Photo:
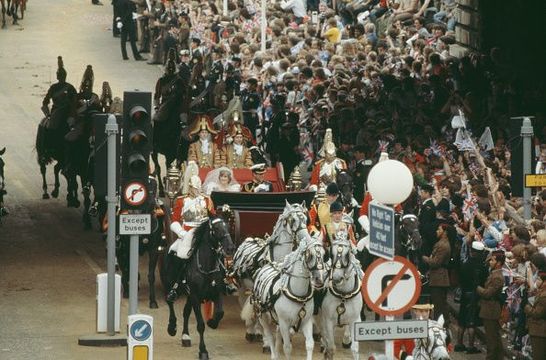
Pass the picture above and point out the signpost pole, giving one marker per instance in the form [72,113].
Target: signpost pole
[526,134]
[133,275]
[111,131]
[389,344]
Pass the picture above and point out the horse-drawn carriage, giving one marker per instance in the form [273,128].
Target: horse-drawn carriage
[250,214]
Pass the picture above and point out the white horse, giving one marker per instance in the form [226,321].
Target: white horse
[254,253]
[433,347]
[342,303]
[285,296]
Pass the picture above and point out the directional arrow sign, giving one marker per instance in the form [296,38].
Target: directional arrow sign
[141,330]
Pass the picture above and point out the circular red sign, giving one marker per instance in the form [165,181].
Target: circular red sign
[390,280]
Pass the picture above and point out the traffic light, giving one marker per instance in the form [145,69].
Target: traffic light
[136,148]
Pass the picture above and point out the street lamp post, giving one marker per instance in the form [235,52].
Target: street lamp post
[390,182]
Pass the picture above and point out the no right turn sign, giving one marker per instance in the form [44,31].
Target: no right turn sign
[392,286]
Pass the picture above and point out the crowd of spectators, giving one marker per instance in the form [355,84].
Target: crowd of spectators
[382,76]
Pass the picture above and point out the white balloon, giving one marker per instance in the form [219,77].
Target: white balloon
[390,182]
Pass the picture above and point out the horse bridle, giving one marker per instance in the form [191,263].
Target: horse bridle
[424,344]
[338,247]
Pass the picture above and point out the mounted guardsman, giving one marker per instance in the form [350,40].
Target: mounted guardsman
[327,168]
[258,184]
[237,154]
[168,92]
[204,151]
[189,211]
[63,96]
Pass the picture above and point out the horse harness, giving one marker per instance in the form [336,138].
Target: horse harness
[287,291]
[423,344]
[340,310]
[219,251]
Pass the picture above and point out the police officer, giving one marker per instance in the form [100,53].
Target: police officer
[251,101]
[128,29]
[362,169]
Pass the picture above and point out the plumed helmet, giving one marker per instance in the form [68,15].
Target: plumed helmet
[61,72]
[87,79]
[195,182]
[328,146]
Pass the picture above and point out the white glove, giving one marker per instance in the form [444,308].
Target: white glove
[364,222]
[363,243]
[261,187]
[177,229]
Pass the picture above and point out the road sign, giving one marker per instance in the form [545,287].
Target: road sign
[536,180]
[381,231]
[390,330]
[140,339]
[135,224]
[392,286]
[135,193]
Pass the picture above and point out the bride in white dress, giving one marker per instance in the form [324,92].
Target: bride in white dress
[220,179]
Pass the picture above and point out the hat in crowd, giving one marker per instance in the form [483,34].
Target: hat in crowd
[196,40]
[478,246]
[252,81]
[258,168]
[332,189]
[236,59]
[423,303]
[184,52]
[336,206]
[203,122]
[427,188]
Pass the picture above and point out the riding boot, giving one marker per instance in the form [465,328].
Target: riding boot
[180,284]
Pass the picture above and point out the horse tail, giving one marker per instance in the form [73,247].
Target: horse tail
[41,147]
[247,312]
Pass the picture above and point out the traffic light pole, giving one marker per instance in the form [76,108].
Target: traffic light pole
[133,275]
[111,131]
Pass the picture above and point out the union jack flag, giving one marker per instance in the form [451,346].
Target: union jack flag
[470,207]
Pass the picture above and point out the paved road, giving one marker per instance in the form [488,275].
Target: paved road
[47,262]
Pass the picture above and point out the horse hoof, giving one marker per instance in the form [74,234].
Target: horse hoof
[322,348]
[204,356]
[250,337]
[266,350]
[316,337]
[55,193]
[45,196]
[171,330]
[186,343]
[346,346]
[258,337]
[153,305]
[215,321]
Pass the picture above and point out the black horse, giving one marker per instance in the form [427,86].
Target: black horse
[205,278]
[50,147]
[3,191]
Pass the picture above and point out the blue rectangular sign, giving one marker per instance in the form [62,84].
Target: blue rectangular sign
[381,231]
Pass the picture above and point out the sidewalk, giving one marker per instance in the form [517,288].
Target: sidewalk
[480,334]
